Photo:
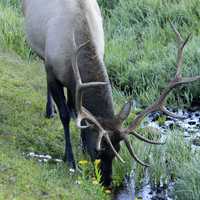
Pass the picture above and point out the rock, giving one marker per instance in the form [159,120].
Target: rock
[196,141]
[155,117]
[171,126]
[3,168]
[191,122]
[189,115]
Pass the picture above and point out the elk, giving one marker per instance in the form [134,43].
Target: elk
[68,36]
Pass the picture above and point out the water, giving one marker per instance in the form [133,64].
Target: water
[190,126]
[42,158]
[129,190]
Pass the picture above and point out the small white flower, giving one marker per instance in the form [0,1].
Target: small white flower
[32,154]
[78,182]
[72,170]
[57,160]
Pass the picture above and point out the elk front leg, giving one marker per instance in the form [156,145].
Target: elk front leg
[106,170]
[50,107]
[57,92]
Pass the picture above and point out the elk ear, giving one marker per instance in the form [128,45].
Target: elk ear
[124,113]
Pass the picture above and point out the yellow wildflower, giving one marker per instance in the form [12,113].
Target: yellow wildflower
[97,162]
[83,162]
[95,182]
[107,191]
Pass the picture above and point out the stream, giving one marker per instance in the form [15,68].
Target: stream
[190,126]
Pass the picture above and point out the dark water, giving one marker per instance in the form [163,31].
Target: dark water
[146,192]
[191,129]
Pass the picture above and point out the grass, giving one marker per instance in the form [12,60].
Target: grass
[140,56]
[26,179]
[12,37]
[23,128]
[187,185]
[141,46]
[173,162]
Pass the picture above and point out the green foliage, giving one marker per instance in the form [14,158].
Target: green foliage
[141,46]
[187,186]
[167,159]
[108,4]
[140,56]
[12,3]
[12,36]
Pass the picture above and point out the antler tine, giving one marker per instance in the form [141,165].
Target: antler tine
[140,137]
[181,45]
[131,151]
[82,112]
[113,148]
[177,81]
[178,35]
[170,114]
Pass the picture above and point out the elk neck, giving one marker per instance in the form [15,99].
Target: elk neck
[97,100]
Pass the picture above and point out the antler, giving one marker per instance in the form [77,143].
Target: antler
[159,104]
[83,113]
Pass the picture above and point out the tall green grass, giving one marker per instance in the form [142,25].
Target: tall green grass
[187,185]
[12,36]
[174,162]
[141,46]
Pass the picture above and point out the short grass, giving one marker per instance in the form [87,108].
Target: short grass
[26,179]
[23,129]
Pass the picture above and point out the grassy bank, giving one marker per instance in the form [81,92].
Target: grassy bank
[23,128]
[26,179]
[140,55]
